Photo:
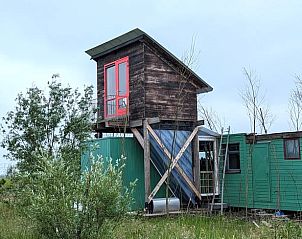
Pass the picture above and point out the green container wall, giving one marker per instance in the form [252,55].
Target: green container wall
[236,186]
[134,165]
[282,187]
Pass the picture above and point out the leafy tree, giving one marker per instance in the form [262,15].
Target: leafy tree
[45,135]
[2,182]
[56,122]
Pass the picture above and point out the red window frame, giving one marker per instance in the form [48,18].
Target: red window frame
[118,111]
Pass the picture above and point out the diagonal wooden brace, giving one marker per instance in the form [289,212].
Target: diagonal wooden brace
[178,168]
[138,136]
[140,140]
[173,163]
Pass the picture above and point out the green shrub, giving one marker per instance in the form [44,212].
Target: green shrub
[62,204]
[6,190]
[12,226]
[2,182]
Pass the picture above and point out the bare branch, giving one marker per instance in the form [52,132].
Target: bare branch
[295,105]
[211,118]
[254,101]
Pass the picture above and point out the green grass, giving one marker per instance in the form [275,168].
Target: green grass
[187,226]
[13,226]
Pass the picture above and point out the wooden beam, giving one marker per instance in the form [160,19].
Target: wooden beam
[146,161]
[153,120]
[157,139]
[196,163]
[199,123]
[135,123]
[173,164]
[138,123]
[178,168]
[138,136]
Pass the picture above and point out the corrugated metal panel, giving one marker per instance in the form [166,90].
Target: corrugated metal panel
[207,132]
[173,141]
[134,168]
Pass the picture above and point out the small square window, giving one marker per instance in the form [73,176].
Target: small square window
[291,149]
[233,159]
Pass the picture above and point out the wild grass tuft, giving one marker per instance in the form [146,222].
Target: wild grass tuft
[12,226]
[199,226]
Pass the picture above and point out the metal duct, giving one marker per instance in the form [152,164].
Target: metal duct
[158,205]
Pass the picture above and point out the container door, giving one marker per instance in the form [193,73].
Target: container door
[261,173]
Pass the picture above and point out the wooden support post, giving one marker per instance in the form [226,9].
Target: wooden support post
[147,161]
[196,163]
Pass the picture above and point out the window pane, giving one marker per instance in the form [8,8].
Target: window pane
[233,156]
[111,88]
[122,103]
[202,155]
[234,161]
[233,147]
[111,107]
[122,78]
[292,148]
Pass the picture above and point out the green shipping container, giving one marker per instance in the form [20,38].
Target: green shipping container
[270,175]
[114,147]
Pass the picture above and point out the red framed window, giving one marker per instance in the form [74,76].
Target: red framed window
[116,85]
[291,148]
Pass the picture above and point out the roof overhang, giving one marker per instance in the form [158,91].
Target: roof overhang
[137,35]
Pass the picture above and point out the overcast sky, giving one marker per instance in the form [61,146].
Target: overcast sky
[39,38]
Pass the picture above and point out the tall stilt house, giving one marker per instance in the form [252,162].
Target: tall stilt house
[144,89]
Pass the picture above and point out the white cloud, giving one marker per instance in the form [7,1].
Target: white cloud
[41,38]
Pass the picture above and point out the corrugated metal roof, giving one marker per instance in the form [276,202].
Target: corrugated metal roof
[134,36]
[207,132]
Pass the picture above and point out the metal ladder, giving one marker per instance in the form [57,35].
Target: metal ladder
[222,161]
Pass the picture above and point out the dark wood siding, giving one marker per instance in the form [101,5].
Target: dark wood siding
[157,89]
[136,72]
[168,94]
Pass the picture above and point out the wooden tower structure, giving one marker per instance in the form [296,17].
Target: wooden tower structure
[144,89]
